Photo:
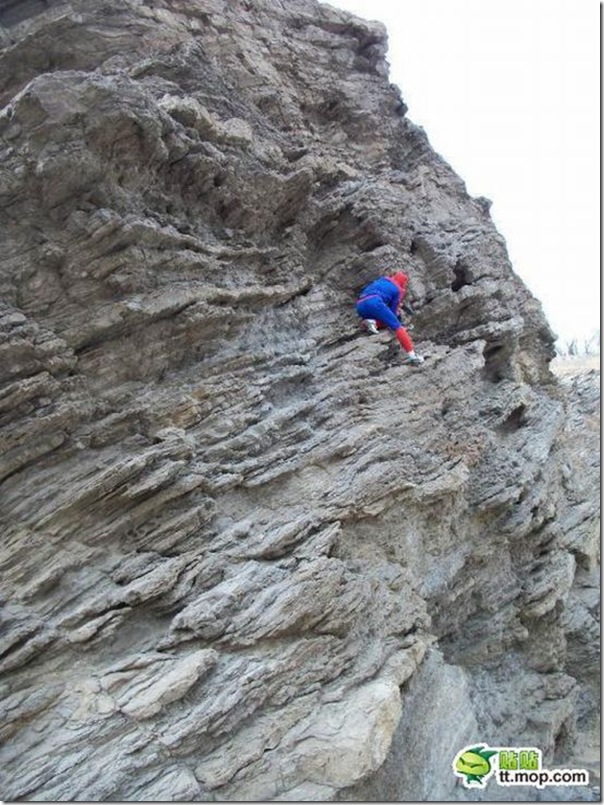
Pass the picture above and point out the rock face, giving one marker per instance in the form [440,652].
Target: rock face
[247,552]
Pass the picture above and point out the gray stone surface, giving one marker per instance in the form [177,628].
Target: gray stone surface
[247,552]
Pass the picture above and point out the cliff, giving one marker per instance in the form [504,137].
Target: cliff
[248,553]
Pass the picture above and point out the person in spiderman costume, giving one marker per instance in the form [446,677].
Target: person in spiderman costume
[379,305]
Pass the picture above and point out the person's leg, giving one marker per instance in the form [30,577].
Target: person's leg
[371,325]
[402,336]
[374,308]
[365,311]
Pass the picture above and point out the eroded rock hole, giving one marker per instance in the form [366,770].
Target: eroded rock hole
[496,362]
[515,420]
[462,277]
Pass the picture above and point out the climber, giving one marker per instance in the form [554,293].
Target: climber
[380,303]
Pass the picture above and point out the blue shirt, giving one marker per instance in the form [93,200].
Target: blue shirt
[387,290]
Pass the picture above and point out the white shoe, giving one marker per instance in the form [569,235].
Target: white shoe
[371,326]
[415,359]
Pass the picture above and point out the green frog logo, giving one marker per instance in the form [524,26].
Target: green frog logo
[473,765]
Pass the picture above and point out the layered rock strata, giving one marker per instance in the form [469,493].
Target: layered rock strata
[247,552]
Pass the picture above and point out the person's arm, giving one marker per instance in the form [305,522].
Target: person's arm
[402,305]
[396,302]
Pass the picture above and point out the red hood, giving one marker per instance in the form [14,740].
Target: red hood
[400,279]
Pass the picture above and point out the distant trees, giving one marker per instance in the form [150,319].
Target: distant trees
[575,347]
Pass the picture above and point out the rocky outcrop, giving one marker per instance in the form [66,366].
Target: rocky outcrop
[248,553]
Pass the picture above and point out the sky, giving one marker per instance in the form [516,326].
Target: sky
[509,95]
